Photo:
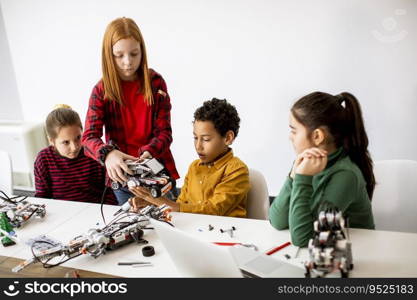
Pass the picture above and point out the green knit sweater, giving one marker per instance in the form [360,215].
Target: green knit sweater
[341,184]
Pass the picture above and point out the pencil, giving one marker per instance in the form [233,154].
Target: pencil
[276,249]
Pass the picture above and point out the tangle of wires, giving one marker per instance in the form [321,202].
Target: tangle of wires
[11,203]
[46,264]
[151,213]
[118,223]
[70,253]
[12,200]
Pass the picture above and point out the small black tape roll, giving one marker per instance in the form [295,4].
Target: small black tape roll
[148,251]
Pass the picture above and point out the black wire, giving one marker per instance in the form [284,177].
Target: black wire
[167,222]
[128,224]
[7,199]
[34,255]
[101,204]
[127,214]
[10,199]
[45,264]
[118,218]
[115,221]
[122,216]
[33,212]
[16,197]
[5,195]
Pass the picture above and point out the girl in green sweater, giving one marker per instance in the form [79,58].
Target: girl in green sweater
[332,165]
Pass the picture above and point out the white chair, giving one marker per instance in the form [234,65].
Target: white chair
[258,197]
[394,202]
[6,175]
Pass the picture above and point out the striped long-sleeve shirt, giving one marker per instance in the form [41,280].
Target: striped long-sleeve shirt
[79,179]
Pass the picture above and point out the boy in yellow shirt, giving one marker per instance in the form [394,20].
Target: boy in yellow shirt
[218,182]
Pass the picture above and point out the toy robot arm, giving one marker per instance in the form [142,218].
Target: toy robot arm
[24,264]
[43,255]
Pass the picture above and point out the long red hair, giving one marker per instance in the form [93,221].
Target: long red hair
[123,28]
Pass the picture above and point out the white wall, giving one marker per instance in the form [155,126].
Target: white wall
[9,96]
[260,55]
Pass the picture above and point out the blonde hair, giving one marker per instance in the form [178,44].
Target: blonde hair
[62,106]
[60,117]
[118,29]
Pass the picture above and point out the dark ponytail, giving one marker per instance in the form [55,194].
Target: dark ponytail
[341,115]
[356,143]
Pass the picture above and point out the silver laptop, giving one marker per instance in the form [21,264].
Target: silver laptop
[196,258]
[193,257]
[256,264]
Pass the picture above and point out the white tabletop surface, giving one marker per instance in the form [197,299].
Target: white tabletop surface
[375,253]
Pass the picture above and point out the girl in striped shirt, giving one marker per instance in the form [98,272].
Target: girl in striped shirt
[62,171]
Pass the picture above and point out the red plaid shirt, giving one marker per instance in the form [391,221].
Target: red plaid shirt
[108,114]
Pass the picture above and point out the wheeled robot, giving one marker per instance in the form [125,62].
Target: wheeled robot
[149,173]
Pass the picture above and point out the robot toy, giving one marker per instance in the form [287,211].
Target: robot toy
[148,173]
[124,229]
[329,250]
[19,212]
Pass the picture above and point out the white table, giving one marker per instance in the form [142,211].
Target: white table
[375,253]
[58,213]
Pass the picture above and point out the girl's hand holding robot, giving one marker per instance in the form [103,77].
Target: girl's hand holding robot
[115,165]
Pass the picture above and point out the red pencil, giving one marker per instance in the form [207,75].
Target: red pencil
[273,250]
[226,244]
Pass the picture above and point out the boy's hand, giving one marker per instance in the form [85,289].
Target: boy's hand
[137,204]
[311,162]
[141,192]
[145,195]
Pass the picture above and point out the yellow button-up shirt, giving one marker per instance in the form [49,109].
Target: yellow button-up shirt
[219,188]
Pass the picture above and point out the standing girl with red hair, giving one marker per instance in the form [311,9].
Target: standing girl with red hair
[132,103]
